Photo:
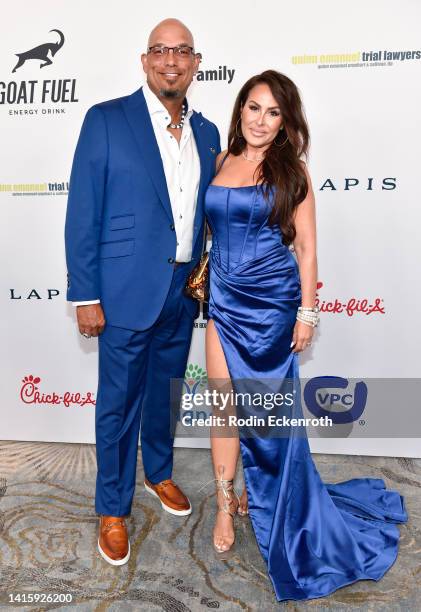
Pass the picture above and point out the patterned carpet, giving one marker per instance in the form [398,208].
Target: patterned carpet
[48,534]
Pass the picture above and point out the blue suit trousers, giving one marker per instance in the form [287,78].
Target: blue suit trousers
[135,372]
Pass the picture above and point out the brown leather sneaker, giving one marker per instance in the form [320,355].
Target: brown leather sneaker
[171,496]
[113,541]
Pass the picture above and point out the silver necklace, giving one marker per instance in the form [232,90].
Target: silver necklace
[176,126]
[258,159]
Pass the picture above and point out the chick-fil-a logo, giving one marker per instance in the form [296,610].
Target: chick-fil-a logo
[351,306]
[30,394]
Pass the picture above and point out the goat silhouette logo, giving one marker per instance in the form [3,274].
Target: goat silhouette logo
[41,52]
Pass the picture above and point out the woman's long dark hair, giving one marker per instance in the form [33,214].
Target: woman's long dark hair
[281,168]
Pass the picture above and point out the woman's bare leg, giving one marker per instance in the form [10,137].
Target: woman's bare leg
[225,446]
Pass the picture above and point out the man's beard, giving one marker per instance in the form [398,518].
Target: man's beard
[171,93]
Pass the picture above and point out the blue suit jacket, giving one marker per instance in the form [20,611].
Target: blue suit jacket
[120,237]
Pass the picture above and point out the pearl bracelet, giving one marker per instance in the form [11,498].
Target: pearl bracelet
[312,322]
[309,316]
[306,308]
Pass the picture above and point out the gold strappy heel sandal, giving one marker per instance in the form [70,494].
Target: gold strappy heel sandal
[230,502]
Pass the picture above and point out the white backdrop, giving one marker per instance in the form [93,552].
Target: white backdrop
[364,118]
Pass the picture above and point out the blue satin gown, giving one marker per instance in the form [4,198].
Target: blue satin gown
[315,537]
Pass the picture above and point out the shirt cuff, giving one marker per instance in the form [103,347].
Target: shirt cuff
[87,303]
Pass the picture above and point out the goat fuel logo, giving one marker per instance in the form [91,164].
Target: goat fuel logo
[43,52]
[33,96]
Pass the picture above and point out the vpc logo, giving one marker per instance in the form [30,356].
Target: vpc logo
[323,394]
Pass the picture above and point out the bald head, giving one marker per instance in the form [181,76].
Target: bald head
[170,73]
[170,27]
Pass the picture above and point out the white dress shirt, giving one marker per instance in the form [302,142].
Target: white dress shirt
[182,173]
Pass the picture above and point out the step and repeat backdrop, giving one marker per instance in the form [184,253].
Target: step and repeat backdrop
[359,75]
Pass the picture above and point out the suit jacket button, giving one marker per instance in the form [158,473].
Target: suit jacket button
[172,228]
[171,259]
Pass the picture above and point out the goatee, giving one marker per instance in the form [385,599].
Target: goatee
[171,93]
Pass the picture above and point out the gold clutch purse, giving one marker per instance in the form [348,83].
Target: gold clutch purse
[197,285]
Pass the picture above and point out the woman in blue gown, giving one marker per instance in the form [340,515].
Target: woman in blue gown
[314,537]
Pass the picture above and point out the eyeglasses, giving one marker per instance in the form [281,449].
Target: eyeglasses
[180,50]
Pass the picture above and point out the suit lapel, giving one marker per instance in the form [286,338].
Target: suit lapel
[196,122]
[139,120]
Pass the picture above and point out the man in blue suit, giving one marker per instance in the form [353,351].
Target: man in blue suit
[134,231]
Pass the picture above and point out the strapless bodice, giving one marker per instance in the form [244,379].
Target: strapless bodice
[238,218]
